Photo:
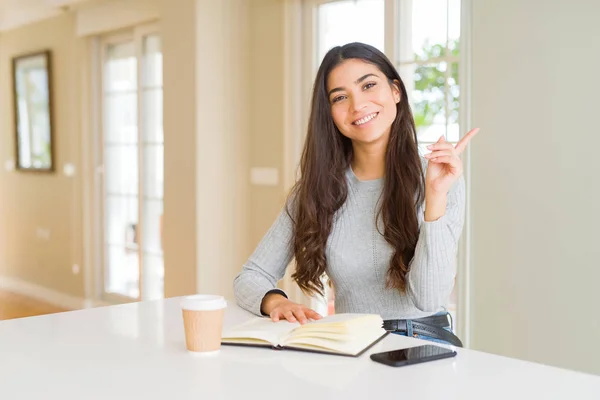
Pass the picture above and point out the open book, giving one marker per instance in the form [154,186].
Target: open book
[343,334]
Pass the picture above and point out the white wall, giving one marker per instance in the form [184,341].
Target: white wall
[535,186]
[100,16]
[223,132]
[178,32]
[207,135]
[50,202]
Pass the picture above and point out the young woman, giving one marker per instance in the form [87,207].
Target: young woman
[368,211]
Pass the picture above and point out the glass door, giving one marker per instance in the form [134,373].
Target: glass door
[132,165]
[153,168]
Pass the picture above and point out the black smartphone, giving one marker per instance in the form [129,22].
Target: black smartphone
[413,355]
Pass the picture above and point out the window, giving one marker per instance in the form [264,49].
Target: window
[346,21]
[425,40]
[132,158]
[420,36]
[428,63]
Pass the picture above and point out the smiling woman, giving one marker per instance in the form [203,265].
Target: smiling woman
[363,211]
[353,83]
[364,110]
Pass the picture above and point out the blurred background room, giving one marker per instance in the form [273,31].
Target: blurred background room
[146,146]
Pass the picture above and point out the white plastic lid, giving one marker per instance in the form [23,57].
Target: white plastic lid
[203,302]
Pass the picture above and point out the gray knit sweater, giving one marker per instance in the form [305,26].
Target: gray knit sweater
[358,258]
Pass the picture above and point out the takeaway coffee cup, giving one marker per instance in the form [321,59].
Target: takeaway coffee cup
[203,322]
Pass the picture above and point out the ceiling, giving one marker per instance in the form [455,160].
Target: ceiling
[15,13]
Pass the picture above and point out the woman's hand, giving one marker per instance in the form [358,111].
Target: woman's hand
[280,308]
[445,166]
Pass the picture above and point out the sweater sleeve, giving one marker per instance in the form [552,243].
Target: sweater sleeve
[433,267]
[266,266]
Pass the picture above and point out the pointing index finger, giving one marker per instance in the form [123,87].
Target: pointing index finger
[462,144]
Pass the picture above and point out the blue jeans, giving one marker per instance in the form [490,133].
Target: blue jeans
[409,332]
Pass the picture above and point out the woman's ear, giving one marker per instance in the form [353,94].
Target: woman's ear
[396,91]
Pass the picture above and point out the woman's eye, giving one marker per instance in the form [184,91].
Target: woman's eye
[338,98]
[369,85]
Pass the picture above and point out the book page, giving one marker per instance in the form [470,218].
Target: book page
[343,333]
[262,329]
[344,318]
[351,345]
[341,323]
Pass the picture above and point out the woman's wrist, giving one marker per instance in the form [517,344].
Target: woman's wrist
[269,301]
[435,205]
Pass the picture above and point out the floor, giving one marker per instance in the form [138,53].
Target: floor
[14,305]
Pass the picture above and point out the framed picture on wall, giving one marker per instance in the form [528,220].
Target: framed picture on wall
[32,102]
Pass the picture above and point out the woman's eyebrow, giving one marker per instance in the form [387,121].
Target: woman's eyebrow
[356,82]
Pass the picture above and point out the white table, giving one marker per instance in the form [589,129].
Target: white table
[138,351]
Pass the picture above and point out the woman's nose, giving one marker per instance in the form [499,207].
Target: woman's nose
[357,103]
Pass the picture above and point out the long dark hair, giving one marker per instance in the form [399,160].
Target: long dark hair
[322,188]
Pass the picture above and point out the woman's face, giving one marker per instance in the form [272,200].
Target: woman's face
[363,103]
